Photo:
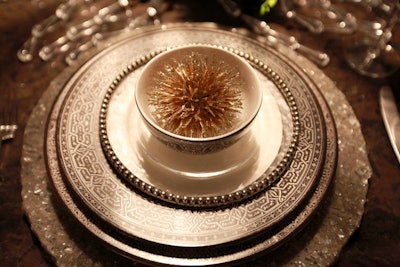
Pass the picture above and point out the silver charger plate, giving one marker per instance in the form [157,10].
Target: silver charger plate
[166,226]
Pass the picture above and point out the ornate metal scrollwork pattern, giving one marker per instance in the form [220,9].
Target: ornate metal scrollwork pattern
[259,185]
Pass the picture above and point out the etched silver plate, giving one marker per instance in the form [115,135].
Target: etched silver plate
[99,193]
[222,178]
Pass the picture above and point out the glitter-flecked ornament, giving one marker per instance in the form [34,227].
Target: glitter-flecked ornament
[198,96]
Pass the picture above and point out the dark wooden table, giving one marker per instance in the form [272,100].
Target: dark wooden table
[375,243]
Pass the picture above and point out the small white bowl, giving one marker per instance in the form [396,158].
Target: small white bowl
[250,97]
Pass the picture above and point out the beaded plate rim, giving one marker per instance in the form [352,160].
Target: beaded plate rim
[260,184]
[143,256]
[85,187]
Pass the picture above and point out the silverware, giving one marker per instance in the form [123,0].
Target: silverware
[100,18]
[77,34]
[313,25]
[7,132]
[391,118]
[98,37]
[341,21]
[129,22]
[8,117]
[59,18]
[63,43]
[262,28]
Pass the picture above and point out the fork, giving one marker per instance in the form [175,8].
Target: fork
[8,117]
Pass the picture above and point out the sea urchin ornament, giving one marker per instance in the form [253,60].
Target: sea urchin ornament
[197,97]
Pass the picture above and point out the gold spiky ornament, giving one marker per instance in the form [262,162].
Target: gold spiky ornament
[196,97]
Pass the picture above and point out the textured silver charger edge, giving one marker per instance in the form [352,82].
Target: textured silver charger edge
[341,218]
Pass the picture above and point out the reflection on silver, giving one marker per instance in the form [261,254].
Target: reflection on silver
[166,193]
[391,118]
[330,229]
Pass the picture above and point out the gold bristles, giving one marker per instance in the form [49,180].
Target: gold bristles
[196,97]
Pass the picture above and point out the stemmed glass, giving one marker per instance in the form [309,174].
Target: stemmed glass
[376,58]
[319,16]
[377,4]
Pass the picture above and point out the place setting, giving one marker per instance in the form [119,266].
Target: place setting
[192,144]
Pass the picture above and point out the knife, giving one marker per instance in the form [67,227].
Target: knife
[391,118]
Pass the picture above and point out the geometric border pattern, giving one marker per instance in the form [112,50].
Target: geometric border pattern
[92,181]
[260,184]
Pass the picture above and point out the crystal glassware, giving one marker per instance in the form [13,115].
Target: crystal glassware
[375,57]
[319,16]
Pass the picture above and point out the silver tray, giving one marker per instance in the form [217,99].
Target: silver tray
[94,191]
